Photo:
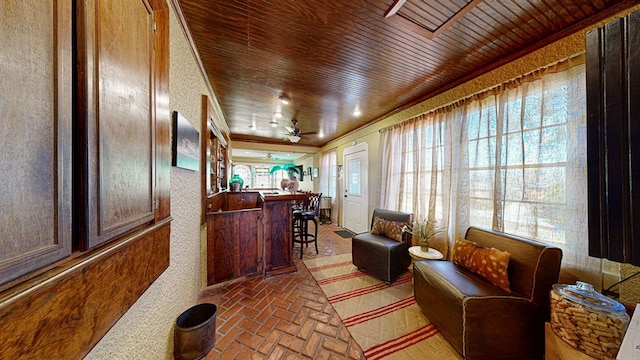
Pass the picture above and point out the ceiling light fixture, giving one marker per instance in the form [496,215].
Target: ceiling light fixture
[294,138]
[278,114]
[273,122]
[284,99]
[253,126]
[357,112]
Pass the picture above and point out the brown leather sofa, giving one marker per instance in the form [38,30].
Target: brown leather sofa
[379,255]
[481,320]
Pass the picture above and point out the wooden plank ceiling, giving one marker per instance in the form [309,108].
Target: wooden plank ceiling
[334,57]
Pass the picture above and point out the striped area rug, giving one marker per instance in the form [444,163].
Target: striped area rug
[384,319]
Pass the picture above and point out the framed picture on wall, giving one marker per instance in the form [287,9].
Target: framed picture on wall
[185,144]
[300,171]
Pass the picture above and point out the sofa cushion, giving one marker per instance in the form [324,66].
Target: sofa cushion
[490,263]
[388,228]
[377,240]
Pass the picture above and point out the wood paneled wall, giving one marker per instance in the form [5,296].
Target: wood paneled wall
[65,312]
[116,118]
[116,149]
[35,140]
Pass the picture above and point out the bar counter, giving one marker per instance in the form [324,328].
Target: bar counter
[249,233]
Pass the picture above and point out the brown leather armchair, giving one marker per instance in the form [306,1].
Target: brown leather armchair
[481,320]
[379,255]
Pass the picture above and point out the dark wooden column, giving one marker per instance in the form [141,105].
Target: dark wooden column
[613,131]
[277,232]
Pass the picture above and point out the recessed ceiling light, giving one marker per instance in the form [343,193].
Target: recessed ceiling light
[284,99]
[278,114]
[357,112]
[273,122]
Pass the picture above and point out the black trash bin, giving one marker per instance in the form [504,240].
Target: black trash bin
[195,332]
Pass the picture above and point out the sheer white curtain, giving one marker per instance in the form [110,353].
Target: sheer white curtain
[512,159]
[329,180]
[416,169]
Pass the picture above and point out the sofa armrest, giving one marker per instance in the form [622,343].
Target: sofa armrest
[407,238]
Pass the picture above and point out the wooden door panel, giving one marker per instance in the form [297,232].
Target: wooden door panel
[277,234]
[223,247]
[247,227]
[117,54]
[35,142]
[234,244]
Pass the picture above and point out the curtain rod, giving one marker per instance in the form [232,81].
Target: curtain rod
[558,66]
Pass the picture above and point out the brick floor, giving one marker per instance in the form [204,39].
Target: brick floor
[282,317]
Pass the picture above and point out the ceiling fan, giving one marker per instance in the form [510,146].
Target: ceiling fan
[295,134]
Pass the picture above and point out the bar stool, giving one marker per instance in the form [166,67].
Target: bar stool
[301,220]
[298,207]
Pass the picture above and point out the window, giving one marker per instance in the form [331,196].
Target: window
[329,180]
[416,178]
[526,149]
[511,159]
[261,177]
[244,172]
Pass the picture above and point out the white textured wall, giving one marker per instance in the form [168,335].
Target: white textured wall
[146,330]
[307,184]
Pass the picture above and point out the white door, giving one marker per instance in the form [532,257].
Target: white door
[356,195]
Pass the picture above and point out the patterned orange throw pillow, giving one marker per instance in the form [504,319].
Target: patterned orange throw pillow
[378,226]
[393,230]
[390,229]
[491,264]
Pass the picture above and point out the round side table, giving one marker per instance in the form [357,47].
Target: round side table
[417,254]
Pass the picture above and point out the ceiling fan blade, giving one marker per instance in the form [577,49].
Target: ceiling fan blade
[309,133]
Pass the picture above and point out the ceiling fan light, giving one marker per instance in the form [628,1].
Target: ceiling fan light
[294,138]
[284,99]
